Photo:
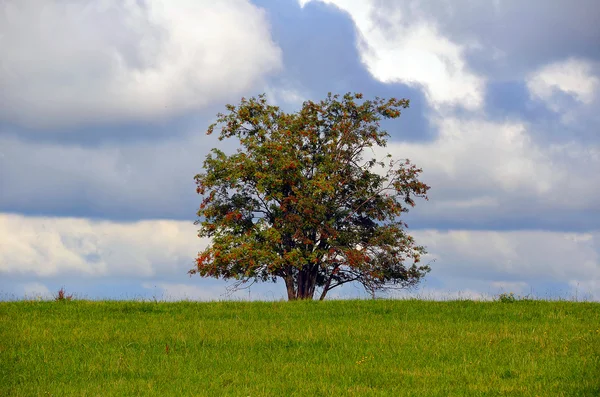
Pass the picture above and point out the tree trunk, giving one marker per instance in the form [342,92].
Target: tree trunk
[328,283]
[289,284]
[325,291]
[303,285]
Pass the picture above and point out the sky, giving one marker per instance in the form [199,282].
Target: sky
[104,105]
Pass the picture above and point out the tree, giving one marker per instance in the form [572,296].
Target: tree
[298,201]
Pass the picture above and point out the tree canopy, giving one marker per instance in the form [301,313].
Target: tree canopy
[305,199]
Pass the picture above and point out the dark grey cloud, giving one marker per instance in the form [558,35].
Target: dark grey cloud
[130,182]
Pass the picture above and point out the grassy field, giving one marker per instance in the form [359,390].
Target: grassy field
[335,348]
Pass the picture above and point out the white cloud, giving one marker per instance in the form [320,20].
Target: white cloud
[572,76]
[483,168]
[481,261]
[285,97]
[513,259]
[46,247]
[72,62]
[36,290]
[399,49]
[486,156]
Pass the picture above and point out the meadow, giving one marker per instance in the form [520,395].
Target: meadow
[330,348]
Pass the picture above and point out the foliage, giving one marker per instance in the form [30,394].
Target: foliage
[331,348]
[511,297]
[507,298]
[62,296]
[299,200]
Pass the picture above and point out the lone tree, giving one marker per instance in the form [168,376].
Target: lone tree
[299,201]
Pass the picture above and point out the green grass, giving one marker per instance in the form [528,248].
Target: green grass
[331,348]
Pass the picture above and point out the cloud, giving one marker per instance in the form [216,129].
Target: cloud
[483,174]
[487,173]
[572,76]
[158,253]
[35,289]
[397,49]
[129,181]
[513,258]
[285,97]
[454,49]
[68,63]
[41,247]
[499,38]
